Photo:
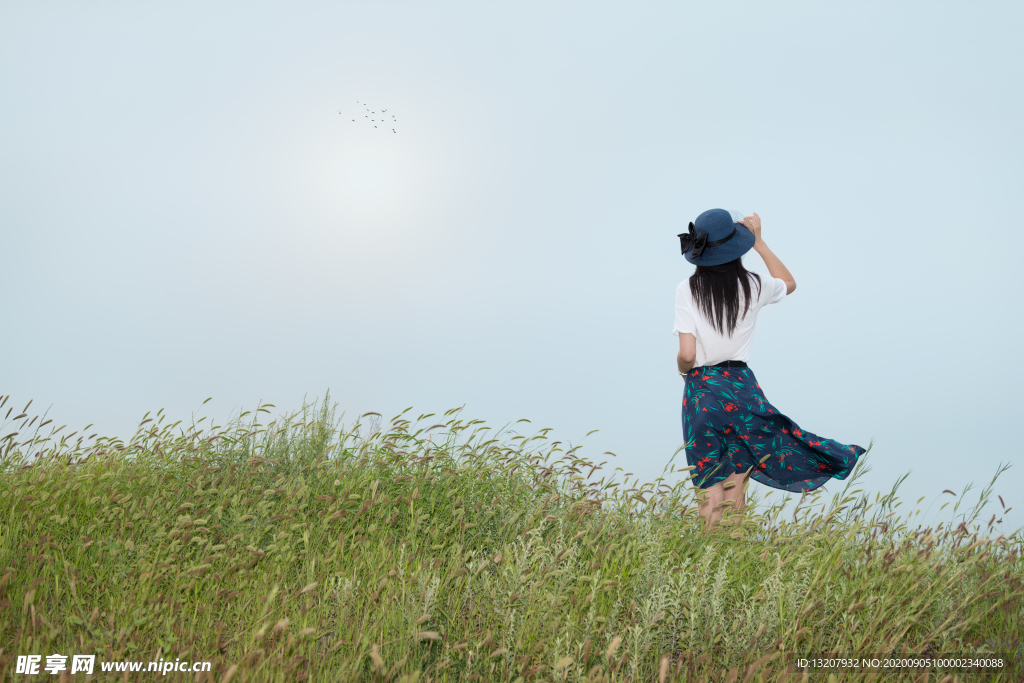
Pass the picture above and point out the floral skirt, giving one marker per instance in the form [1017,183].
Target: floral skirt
[730,427]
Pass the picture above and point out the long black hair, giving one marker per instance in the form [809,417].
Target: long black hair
[716,291]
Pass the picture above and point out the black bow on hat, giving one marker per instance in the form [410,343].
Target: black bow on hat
[693,240]
[698,241]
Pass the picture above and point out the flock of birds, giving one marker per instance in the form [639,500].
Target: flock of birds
[374,113]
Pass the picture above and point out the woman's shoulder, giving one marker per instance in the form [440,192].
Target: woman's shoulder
[683,297]
[760,288]
[772,289]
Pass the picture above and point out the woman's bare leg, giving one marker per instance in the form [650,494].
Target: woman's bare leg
[709,507]
[737,493]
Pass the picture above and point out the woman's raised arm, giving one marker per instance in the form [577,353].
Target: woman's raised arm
[775,266]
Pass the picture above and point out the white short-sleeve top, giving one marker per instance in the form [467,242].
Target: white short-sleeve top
[713,347]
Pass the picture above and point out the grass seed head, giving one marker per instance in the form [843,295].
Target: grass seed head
[375,656]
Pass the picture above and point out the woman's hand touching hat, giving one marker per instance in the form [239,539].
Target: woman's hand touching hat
[753,224]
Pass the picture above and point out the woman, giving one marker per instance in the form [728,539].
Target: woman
[731,431]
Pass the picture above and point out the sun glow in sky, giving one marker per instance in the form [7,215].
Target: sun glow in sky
[372,182]
[369,190]
[365,176]
[367,198]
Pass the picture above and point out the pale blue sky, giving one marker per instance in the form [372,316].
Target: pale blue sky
[185,214]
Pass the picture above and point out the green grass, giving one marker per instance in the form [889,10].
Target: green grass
[303,549]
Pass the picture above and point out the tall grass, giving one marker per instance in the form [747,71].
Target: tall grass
[303,549]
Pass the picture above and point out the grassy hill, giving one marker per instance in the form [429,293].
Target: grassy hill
[303,549]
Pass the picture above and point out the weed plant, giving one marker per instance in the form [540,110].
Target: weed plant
[306,550]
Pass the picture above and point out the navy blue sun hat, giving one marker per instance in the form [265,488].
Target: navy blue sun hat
[715,238]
